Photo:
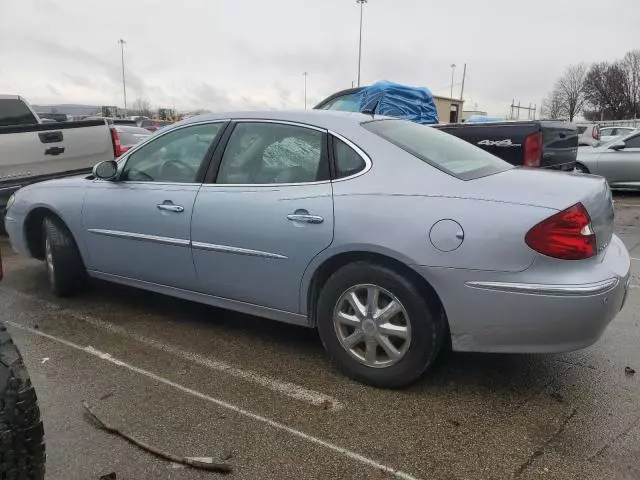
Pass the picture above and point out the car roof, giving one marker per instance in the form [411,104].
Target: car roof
[319,118]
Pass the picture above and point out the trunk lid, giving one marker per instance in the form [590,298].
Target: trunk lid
[553,190]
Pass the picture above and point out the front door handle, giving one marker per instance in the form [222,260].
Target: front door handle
[170,207]
[305,218]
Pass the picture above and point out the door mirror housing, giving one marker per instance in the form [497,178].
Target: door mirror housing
[619,145]
[106,170]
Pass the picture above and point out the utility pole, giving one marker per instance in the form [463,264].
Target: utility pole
[453,70]
[124,84]
[361,2]
[305,89]
[464,74]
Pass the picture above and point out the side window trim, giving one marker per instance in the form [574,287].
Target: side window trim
[202,171]
[367,160]
[211,176]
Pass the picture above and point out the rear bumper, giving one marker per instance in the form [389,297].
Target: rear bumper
[522,317]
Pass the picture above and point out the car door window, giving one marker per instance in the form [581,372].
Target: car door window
[633,142]
[607,132]
[347,161]
[264,153]
[345,103]
[177,156]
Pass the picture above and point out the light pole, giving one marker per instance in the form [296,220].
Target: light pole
[124,84]
[361,2]
[453,69]
[305,89]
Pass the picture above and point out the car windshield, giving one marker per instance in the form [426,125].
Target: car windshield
[441,150]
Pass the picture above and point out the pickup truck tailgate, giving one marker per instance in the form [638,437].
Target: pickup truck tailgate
[32,151]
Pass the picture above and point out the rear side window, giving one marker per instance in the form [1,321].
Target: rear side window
[347,161]
[439,149]
[582,130]
[15,112]
[345,103]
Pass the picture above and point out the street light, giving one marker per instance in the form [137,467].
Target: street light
[305,89]
[361,2]
[124,84]
[453,69]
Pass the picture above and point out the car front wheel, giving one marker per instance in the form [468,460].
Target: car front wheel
[377,326]
[65,267]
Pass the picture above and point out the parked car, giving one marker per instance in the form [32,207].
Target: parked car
[589,134]
[618,161]
[21,432]
[392,238]
[31,151]
[125,137]
[543,144]
[153,125]
[609,133]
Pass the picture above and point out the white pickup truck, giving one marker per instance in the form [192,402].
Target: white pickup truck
[32,151]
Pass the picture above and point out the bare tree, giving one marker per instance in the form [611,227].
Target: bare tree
[631,66]
[570,89]
[553,107]
[142,107]
[605,91]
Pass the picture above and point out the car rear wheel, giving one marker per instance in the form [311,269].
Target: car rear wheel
[22,454]
[579,168]
[377,326]
[65,268]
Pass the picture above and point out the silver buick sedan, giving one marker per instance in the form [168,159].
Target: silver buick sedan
[391,238]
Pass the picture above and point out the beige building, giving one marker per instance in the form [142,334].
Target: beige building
[449,109]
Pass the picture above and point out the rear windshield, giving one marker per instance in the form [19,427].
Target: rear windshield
[15,112]
[439,149]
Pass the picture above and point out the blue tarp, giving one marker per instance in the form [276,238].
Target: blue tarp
[400,101]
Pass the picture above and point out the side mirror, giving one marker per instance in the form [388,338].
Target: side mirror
[619,145]
[106,170]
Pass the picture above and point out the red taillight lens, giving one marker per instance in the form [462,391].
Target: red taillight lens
[533,150]
[596,132]
[115,139]
[566,235]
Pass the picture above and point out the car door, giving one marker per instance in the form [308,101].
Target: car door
[623,165]
[269,212]
[138,226]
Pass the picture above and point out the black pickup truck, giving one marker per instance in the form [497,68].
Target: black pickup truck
[529,143]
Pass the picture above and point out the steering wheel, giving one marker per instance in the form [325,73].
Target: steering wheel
[181,169]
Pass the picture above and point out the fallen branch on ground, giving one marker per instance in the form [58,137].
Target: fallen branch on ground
[216,467]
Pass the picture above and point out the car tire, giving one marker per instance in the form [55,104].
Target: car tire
[424,317]
[22,451]
[65,268]
[580,168]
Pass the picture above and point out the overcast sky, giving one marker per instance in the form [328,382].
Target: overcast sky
[240,54]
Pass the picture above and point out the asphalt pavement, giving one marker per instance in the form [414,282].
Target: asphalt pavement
[197,381]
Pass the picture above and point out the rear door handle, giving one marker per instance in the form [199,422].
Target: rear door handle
[170,207]
[305,218]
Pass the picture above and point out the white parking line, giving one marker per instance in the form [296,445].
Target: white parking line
[288,389]
[221,403]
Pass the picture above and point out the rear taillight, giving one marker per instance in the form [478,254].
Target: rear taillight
[533,150]
[115,139]
[566,235]
[596,132]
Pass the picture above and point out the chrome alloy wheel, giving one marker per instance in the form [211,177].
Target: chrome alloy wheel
[372,325]
[49,259]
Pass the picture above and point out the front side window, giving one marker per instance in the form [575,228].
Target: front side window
[176,156]
[347,161]
[439,149]
[261,153]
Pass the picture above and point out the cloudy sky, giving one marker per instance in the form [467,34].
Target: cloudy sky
[239,54]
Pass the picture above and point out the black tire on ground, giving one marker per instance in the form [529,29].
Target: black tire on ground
[65,268]
[428,325]
[22,453]
[580,168]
